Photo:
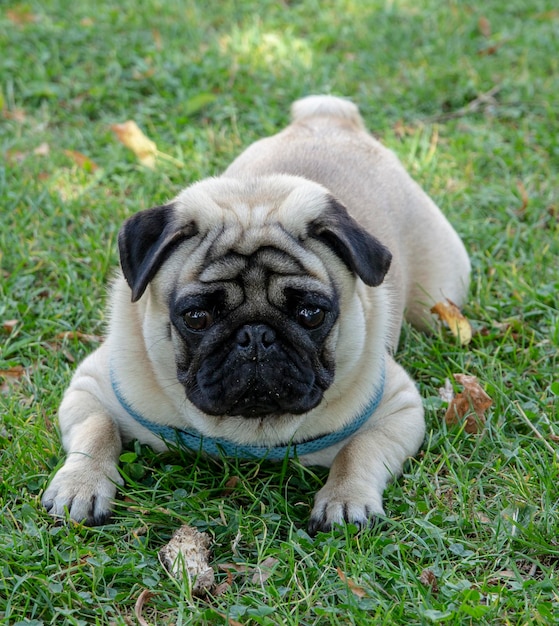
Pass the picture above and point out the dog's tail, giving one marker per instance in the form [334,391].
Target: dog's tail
[329,106]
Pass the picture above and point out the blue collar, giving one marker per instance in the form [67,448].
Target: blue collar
[216,446]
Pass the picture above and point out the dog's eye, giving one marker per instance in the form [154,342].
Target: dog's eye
[310,317]
[198,319]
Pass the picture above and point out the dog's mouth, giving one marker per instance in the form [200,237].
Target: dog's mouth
[257,396]
[252,407]
[254,410]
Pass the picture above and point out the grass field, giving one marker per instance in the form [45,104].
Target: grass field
[467,96]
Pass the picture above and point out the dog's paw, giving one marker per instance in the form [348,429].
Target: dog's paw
[334,507]
[82,491]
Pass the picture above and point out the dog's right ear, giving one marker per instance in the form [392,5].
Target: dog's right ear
[145,240]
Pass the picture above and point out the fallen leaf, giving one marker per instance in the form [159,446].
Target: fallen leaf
[9,325]
[429,579]
[484,26]
[42,150]
[157,40]
[20,15]
[224,586]
[260,573]
[76,334]
[470,405]
[137,75]
[492,49]
[233,567]
[231,485]
[81,160]
[132,137]
[13,373]
[451,315]
[482,518]
[139,606]
[18,115]
[16,156]
[264,570]
[548,15]
[353,587]
[401,130]
[523,195]
[10,376]
[186,555]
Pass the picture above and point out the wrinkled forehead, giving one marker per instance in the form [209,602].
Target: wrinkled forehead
[248,207]
[261,222]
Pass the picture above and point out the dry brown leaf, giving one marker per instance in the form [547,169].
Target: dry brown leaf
[9,325]
[451,315]
[548,15]
[264,570]
[401,130]
[9,377]
[470,405]
[523,195]
[233,567]
[492,49]
[13,373]
[260,573]
[16,156]
[20,15]
[81,160]
[139,606]
[76,334]
[484,26]
[17,115]
[230,486]
[429,580]
[42,150]
[132,137]
[353,587]
[224,586]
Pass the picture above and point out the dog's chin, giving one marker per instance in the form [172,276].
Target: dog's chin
[256,407]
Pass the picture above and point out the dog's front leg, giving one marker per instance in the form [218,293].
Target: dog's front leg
[86,484]
[376,454]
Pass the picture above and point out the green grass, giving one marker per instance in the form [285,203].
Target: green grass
[203,80]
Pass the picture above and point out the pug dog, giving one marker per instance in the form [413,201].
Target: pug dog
[256,314]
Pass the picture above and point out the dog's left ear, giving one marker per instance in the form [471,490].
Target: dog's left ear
[365,255]
[145,240]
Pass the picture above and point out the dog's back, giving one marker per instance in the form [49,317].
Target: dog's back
[327,142]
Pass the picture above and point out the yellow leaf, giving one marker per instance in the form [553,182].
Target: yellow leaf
[132,137]
[81,160]
[352,586]
[451,315]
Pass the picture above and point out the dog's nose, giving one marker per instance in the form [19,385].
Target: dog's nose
[255,337]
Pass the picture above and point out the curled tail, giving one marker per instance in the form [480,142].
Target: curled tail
[330,106]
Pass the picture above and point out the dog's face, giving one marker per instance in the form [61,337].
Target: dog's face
[250,279]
